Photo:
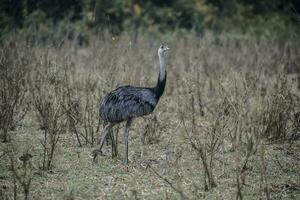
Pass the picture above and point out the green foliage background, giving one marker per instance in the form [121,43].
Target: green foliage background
[43,19]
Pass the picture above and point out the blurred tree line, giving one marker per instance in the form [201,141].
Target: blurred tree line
[69,17]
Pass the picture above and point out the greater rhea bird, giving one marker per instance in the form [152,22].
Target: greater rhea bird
[128,102]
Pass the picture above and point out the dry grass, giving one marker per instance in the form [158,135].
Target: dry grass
[226,126]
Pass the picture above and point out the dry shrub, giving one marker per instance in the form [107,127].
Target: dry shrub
[152,130]
[241,109]
[13,88]
[48,98]
[73,111]
[113,136]
[204,138]
[81,104]
[21,168]
[82,117]
[279,107]
[23,175]
[90,120]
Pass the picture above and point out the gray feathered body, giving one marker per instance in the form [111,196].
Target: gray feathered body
[127,102]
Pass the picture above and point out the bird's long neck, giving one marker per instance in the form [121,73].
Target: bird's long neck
[162,77]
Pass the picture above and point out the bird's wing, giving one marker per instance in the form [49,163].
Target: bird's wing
[127,102]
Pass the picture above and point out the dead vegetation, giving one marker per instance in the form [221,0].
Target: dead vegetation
[13,89]
[230,108]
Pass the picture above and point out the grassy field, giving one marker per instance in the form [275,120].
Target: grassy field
[227,126]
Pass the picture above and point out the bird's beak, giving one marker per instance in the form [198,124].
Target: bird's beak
[167,48]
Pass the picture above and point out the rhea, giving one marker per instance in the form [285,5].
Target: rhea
[128,102]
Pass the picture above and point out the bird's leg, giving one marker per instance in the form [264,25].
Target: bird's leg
[126,134]
[102,139]
[104,134]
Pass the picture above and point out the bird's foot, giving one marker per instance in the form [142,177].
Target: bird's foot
[95,153]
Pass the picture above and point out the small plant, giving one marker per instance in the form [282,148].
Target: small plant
[12,91]
[172,185]
[22,174]
[114,141]
[263,173]
[280,105]
[152,132]
[72,109]
[205,146]
[47,101]
[51,122]
[90,120]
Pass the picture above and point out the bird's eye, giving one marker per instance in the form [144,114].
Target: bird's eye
[161,46]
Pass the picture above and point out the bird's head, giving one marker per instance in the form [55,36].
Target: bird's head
[163,49]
